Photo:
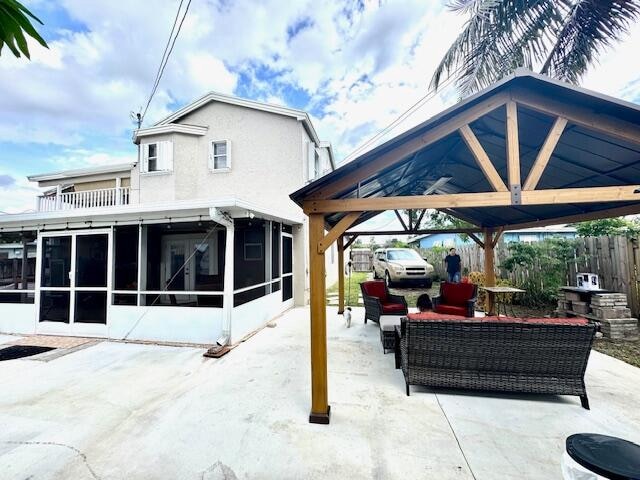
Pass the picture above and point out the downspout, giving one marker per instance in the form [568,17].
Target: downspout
[227,304]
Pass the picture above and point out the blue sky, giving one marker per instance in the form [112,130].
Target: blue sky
[354,66]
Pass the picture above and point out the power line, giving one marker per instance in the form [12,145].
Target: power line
[167,53]
[403,116]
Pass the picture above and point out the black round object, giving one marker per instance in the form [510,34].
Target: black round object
[609,457]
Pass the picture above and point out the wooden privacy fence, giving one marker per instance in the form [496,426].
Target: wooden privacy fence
[616,260]
[361,259]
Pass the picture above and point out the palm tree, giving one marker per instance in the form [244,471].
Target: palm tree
[14,24]
[560,37]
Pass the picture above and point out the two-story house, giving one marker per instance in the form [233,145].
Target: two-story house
[196,241]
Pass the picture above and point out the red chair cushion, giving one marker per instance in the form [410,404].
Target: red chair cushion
[457,293]
[375,288]
[392,308]
[451,310]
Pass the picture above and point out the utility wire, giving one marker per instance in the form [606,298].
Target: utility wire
[167,53]
[402,117]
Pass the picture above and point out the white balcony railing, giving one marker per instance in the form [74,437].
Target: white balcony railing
[104,197]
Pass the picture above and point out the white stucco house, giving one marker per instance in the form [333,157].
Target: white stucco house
[197,241]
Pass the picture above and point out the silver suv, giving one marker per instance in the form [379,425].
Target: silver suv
[401,265]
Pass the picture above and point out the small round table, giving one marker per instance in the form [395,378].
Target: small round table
[610,457]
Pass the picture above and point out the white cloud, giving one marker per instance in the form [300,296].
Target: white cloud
[19,196]
[361,63]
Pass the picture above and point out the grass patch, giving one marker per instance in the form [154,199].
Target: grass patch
[353,282]
[627,351]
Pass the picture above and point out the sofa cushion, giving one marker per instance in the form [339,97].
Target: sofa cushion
[426,316]
[375,289]
[389,322]
[393,308]
[452,310]
[434,316]
[457,293]
[536,321]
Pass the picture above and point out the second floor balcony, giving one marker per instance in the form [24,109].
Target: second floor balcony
[103,197]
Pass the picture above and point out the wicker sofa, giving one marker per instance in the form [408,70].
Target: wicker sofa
[547,356]
[378,301]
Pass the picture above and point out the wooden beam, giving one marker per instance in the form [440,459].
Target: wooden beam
[581,217]
[583,116]
[544,154]
[350,241]
[482,159]
[340,275]
[417,232]
[367,167]
[496,236]
[513,146]
[318,310]
[489,270]
[476,239]
[337,231]
[485,199]
[580,195]
[404,225]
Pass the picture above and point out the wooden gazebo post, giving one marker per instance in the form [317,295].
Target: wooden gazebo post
[489,268]
[319,392]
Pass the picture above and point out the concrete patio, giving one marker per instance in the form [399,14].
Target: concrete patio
[114,410]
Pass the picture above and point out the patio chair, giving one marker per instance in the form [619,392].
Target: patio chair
[378,301]
[456,299]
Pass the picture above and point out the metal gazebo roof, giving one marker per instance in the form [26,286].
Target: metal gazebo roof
[598,145]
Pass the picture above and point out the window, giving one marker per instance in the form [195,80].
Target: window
[153,157]
[157,157]
[316,164]
[219,157]
[125,268]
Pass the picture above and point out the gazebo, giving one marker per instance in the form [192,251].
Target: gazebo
[527,151]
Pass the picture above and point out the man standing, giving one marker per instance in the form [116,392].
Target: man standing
[453,266]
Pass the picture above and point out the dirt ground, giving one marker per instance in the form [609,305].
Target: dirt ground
[627,351]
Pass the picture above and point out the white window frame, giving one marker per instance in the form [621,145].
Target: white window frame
[168,161]
[213,156]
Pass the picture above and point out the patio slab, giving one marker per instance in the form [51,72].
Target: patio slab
[135,411]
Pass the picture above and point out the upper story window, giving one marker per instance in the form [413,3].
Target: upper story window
[220,156]
[157,157]
[316,165]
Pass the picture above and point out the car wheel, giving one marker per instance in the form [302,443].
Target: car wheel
[375,274]
[387,280]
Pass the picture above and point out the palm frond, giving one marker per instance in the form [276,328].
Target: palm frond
[15,23]
[499,36]
[588,28]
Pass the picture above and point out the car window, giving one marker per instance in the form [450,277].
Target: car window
[403,255]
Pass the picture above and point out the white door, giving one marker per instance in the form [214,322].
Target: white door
[186,261]
[74,279]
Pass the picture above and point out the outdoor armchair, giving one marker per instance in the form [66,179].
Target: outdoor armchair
[456,299]
[378,301]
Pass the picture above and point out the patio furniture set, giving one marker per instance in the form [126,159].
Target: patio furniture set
[491,353]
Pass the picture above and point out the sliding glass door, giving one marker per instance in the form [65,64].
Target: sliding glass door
[74,283]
